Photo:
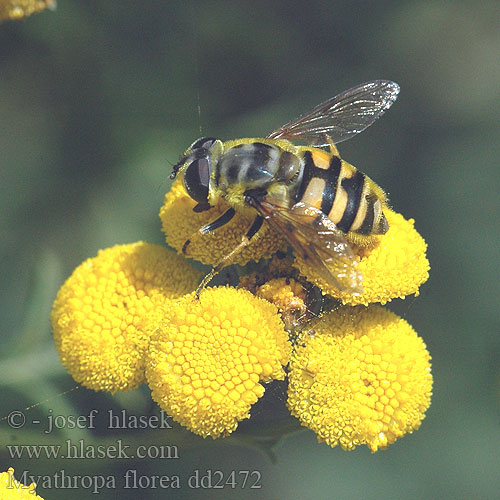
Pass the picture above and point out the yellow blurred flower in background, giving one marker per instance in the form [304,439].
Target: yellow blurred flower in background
[10,489]
[18,9]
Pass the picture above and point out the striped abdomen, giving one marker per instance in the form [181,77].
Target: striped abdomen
[347,196]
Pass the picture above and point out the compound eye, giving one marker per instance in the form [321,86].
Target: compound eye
[202,143]
[196,178]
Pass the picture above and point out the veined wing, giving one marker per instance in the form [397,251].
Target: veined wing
[316,239]
[342,116]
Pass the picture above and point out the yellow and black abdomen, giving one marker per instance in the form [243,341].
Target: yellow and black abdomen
[347,196]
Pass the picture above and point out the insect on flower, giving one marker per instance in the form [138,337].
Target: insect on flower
[318,201]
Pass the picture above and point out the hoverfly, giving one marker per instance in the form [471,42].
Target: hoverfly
[319,202]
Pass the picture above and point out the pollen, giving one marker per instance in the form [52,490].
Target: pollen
[283,292]
[10,489]
[289,296]
[209,357]
[98,313]
[180,224]
[395,267]
[360,376]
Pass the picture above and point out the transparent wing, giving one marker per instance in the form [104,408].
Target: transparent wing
[342,116]
[316,240]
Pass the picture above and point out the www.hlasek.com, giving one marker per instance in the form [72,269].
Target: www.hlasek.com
[81,450]
[197,479]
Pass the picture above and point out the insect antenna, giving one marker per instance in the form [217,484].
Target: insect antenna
[196,44]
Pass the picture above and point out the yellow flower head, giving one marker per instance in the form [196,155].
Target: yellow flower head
[180,223]
[394,268]
[207,359]
[10,489]
[17,9]
[360,376]
[98,312]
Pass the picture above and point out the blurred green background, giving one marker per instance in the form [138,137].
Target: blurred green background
[98,99]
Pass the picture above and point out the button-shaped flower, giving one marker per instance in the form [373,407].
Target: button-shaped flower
[98,312]
[208,357]
[360,376]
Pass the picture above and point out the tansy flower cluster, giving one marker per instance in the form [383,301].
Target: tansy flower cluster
[357,373]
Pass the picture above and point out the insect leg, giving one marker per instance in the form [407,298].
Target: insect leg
[219,222]
[212,226]
[333,148]
[252,231]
